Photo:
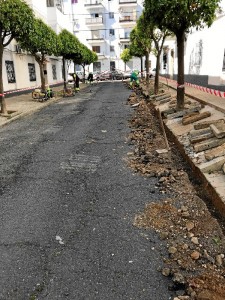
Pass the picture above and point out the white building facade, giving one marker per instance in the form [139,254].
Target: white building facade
[105,26]
[20,70]
[204,58]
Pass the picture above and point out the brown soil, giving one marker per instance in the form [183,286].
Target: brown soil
[194,238]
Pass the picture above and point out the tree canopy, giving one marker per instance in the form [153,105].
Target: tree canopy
[16,18]
[41,41]
[179,16]
[126,56]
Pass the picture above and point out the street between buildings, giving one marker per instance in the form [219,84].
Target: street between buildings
[68,204]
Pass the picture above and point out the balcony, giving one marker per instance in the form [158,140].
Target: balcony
[127,3]
[94,21]
[128,19]
[93,4]
[124,39]
[95,40]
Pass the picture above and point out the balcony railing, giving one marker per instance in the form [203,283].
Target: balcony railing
[127,18]
[94,21]
[93,2]
[127,1]
[124,38]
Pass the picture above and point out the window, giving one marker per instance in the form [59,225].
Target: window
[112,49]
[32,73]
[111,31]
[96,49]
[111,15]
[126,46]
[50,3]
[10,71]
[97,66]
[54,73]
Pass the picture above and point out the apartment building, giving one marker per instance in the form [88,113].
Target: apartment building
[105,26]
[20,70]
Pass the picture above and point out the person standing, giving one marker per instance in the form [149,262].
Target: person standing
[77,83]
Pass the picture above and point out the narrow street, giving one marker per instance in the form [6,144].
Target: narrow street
[68,203]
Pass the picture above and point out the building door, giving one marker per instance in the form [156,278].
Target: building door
[112,65]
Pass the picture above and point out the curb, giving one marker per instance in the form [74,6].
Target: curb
[213,181]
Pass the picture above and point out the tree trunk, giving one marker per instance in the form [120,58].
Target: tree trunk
[2,97]
[180,79]
[141,67]
[42,75]
[156,84]
[147,66]
[125,66]
[64,74]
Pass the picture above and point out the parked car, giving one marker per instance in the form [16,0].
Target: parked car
[117,75]
[105,75]
[126,74]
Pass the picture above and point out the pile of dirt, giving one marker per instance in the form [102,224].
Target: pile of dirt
[194,239]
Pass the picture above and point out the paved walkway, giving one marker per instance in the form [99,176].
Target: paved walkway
[204,97]
[24,104]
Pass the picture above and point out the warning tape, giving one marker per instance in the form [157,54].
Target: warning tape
[26,89]
[201,88]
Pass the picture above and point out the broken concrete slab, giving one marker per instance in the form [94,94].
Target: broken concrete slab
[206,124]
[218,130]
[215,152]
[208,144]
[165,96]
[184,112]
[202,137]
[199,132]
[212,165]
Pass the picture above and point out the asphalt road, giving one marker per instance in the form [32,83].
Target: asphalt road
[68,202]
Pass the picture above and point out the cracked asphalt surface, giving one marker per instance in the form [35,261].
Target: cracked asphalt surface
[68,202]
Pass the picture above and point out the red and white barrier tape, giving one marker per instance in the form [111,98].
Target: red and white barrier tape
[201,88]
[24,89]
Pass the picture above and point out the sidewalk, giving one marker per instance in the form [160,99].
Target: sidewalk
[206,98]
[24,104]
[203,146]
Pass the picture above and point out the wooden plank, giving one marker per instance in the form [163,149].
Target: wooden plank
[195,118]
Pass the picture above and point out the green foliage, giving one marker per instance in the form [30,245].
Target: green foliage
[42,39]
[70,45]
[16,19]
[177,15]
[125,55]
[85,56]
[136,47]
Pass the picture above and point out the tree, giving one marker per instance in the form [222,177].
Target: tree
[126,56]
[41,42]
[85,57]
[144,35]
[179,17]
[136,46]
[16,19]
[70,47]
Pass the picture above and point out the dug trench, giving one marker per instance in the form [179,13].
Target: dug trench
[184,217]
